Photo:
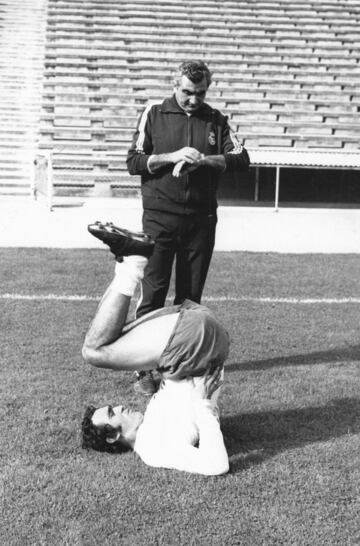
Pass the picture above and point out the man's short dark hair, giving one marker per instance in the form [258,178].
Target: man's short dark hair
[94,437]
[195,71]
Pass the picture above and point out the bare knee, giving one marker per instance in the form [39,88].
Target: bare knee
[92,356]
[99,357]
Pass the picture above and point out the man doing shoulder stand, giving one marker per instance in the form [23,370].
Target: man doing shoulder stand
[187,346]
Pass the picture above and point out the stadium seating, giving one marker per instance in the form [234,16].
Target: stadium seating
[22,41]
[285,72]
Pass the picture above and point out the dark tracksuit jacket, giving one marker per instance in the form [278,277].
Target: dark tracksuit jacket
[180,213]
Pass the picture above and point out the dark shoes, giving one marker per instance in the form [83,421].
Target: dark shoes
[145,383]
[121,241]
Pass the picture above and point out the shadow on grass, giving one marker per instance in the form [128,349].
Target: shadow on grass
[319,357]
[251,438]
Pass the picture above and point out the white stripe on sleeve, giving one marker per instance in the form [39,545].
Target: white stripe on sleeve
[141,137]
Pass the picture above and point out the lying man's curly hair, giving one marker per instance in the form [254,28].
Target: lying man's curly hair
[195,71]
[95,437]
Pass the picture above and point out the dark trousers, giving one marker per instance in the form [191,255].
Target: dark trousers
[187,238]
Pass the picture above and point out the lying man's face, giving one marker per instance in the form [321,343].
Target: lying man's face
[122,420]
[110,428]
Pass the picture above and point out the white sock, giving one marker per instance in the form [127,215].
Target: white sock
[129,273]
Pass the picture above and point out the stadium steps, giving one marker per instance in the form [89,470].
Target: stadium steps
[286,73]
[22,41]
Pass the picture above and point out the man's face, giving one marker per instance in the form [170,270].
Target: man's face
[189,95]
[119,418]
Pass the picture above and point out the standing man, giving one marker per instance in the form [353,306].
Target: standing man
[180,148]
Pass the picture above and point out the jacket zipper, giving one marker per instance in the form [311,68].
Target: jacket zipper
[187,188]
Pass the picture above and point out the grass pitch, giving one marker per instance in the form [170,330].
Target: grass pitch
[290,410]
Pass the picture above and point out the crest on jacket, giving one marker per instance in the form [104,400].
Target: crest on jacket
[212,138]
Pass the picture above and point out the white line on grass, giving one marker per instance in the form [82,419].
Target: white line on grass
[52,297]
[239,299]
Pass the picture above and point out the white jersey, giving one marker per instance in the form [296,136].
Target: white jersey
[175,422]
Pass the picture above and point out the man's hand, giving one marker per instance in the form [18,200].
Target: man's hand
[187,154]
[209,383]
[182,167]
[216,162]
